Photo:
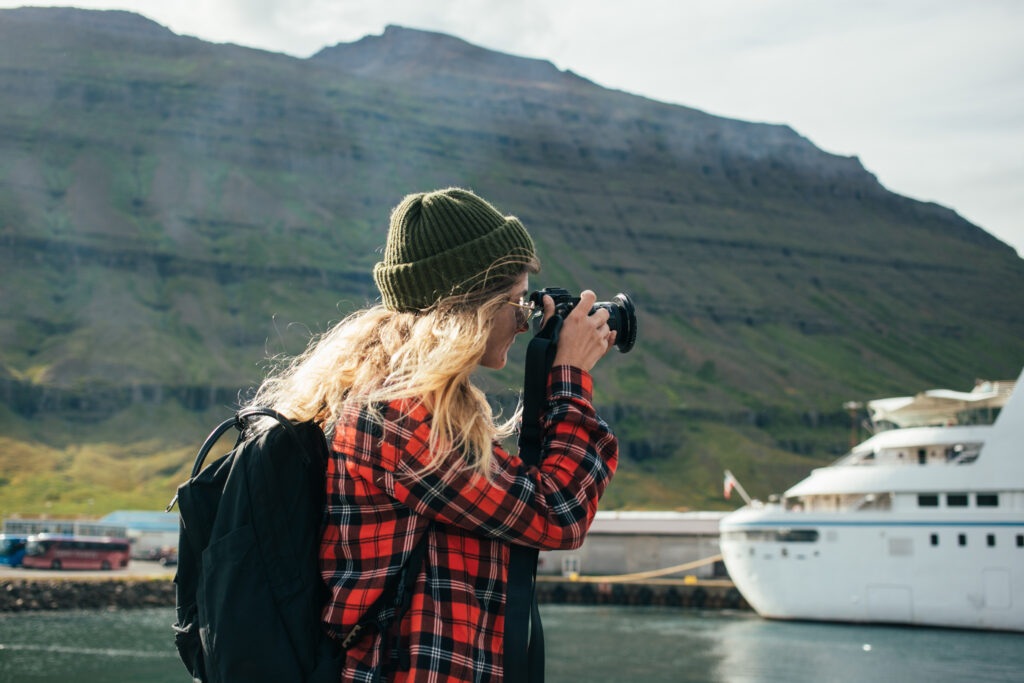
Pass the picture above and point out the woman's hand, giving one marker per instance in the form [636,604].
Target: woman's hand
[583,339]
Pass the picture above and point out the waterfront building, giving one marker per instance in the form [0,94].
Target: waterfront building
[628,541]
[68,526]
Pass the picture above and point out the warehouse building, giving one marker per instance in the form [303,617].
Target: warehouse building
[626,542]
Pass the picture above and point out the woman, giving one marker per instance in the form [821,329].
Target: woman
[415,445]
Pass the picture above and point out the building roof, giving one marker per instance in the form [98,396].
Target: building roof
[656,522]
[143,520]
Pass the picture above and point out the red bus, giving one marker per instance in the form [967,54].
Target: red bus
[52,551]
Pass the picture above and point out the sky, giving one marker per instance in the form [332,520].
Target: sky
[928,94]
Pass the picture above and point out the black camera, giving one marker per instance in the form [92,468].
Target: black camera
[621,312]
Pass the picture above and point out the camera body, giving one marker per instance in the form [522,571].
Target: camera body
[621,312]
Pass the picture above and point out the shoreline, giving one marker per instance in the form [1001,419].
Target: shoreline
[80,591]
[709,594]
[46,594]
[141,584]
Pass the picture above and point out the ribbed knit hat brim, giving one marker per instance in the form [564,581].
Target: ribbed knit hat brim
[445,243]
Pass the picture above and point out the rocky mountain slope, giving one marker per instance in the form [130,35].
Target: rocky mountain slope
[173,212]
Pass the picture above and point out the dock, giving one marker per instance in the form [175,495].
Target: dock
[701,594]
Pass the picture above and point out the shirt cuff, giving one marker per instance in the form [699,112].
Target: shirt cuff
[568,381]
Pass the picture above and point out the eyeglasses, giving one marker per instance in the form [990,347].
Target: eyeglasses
[524,309]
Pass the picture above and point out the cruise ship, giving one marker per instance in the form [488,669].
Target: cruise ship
[922,523]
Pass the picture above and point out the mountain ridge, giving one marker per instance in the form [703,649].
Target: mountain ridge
[404,55]
[401,53]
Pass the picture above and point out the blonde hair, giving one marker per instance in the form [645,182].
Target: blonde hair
[377,355]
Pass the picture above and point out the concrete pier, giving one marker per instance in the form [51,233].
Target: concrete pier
[18,595]
[721,594]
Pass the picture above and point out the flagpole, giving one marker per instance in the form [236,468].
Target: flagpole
[739,487]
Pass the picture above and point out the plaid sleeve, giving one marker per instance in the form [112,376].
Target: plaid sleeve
[550,507]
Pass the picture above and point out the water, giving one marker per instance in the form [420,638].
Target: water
[584,643]
[89,646]
[663,644]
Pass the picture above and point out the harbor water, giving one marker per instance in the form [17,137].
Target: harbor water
[584,643]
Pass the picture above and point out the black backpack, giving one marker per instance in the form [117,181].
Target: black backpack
[248,589]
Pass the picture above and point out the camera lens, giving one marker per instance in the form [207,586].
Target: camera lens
[622,319]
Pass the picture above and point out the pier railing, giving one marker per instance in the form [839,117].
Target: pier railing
[642,576]
[652,587]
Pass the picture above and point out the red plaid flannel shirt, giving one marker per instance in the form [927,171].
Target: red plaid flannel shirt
[380,502]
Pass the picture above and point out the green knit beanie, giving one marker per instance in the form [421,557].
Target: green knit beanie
[445,242]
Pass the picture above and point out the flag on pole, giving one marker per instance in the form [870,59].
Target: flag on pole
[729,484]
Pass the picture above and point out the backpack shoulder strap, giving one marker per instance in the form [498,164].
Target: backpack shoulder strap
[240,421]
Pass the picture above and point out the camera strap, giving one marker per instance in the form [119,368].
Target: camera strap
[524,635]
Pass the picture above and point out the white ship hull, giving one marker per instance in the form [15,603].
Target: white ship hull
[921,525]
[882,570]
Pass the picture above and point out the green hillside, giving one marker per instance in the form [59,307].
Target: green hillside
[174,213]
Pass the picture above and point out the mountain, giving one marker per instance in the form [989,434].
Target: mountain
[173,213]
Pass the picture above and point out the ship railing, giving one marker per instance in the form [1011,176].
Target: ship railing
[855,458]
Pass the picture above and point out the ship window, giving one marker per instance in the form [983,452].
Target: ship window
[782,535]
[961,539]
[991,540]
[956,500]
[797,535]
[935,539]
[922,456]
[928,500]
[1020,540]
[988,500]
